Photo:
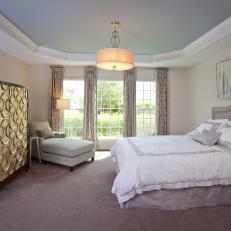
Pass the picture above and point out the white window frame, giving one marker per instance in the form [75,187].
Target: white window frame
[75,109]
[101,108]
[142,74]
[152,130]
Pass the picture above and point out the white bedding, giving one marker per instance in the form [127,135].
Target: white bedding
[167,162]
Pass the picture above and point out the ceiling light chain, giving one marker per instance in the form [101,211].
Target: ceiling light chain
[115,40]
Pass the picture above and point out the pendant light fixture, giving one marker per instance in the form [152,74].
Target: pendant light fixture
[114,58]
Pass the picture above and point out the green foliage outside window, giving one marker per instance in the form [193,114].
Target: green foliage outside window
[110,111]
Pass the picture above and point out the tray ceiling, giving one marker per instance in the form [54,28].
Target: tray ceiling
[148,26]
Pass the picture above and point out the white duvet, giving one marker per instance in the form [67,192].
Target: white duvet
[167,162]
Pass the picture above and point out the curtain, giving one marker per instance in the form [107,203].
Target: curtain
[161,101]
[90,92]
[56,116]
[130,102]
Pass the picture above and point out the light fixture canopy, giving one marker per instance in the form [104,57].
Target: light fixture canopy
[114,58]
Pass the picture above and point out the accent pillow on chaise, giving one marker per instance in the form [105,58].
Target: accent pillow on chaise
[45,133]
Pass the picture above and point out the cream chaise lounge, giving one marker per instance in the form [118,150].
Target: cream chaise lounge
[56,148]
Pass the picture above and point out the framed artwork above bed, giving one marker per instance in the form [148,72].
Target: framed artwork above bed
[224,79]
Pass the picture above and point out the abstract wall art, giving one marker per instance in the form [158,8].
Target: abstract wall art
[224,80]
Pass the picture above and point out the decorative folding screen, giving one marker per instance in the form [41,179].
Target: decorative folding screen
[13,129]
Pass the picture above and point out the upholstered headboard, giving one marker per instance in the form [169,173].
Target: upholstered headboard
[221,112]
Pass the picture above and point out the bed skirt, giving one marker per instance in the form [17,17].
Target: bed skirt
[174,199]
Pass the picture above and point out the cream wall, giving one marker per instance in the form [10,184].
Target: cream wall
[202,95]
[191,91]
[14,71]
[38,80]
[177,101]
[41,82]
[40,97]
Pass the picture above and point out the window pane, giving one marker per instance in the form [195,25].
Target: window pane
[110,108]
[147,85]
[73,118]
[145,107]
[147,95]
[139,86]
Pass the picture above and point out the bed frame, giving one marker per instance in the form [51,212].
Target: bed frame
[173,199]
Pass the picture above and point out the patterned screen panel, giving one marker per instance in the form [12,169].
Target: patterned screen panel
[13,129]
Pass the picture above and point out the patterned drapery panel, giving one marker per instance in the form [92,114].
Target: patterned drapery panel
[56,116]
[130,102]
[161,101]
[90,92]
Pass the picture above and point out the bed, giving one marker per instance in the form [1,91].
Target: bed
[172,172]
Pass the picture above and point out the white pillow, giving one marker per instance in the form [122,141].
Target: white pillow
[227,124]
[220,123]
[225,138]
[207,137]
[224,125]
[205,125]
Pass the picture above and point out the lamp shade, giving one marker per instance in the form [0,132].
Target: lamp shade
[62,104]
[115,59]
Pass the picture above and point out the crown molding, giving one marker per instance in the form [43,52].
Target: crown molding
[168,56]
[47,55]
[17,34]
[217,33]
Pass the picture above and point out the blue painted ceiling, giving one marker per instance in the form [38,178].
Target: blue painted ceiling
[147,26]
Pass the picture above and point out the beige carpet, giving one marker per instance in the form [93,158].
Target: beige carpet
[50,198]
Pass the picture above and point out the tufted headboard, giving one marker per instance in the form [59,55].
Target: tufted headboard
[221,112]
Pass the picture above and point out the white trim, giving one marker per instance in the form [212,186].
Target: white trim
[14,32]
[110,75]
[74,71]
[219,32]
[53,53]
[48,56]
[168,56]
[105,144]
[146,74]
[73,78]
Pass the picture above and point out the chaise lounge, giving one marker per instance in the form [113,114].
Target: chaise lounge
[56,148]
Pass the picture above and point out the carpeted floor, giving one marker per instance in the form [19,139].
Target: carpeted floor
[50,198]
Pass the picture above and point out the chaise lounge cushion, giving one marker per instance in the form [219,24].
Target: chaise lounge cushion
[68,147]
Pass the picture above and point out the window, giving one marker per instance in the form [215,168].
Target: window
[145,108]
[73,118]
[110,108]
